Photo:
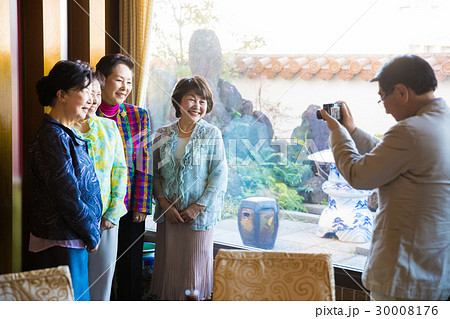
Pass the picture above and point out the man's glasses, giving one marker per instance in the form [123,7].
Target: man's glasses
[381,101]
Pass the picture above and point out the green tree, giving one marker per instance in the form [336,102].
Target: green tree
[171,41]
[173,23]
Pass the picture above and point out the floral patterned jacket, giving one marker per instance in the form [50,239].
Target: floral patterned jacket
[201,176]
[106,152]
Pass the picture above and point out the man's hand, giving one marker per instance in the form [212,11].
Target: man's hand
[106,224]
[347,117]
[139,217]
[191,213]
[331,122]
[170,212]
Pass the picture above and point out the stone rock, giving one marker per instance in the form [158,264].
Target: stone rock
[247,107]
[158,99]
[234,183]
[245,134]
[262,118]
[205,59]
[219,115]
[230,96]
[313,129]
[372,202]
[317,195]
[205,55]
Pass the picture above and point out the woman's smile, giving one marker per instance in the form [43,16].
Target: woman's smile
[193,106]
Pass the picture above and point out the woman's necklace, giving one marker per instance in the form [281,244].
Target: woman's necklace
[185,132]
[114,115]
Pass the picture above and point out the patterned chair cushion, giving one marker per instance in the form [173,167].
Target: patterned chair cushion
[248,275]
[42,284]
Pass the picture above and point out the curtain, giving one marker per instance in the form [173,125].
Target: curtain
[134,28]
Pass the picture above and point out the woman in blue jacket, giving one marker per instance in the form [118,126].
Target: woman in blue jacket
[67,201]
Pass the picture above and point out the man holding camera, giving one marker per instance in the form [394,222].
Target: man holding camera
[409,257]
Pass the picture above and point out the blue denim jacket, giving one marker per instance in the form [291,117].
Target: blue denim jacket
[67,197]
[201,176]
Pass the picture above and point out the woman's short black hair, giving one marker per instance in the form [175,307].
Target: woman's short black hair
[409,70]
[64,75]
[199,86]
[107,64]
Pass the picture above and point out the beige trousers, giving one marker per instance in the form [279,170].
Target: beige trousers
[102,264]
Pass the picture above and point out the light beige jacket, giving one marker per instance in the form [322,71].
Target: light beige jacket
[410,251]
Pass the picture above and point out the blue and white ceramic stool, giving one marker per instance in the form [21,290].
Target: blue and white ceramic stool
[347,216]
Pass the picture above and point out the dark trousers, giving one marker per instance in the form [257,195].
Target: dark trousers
[127,284]
[76,259]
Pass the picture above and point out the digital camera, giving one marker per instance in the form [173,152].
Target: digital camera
[334,109]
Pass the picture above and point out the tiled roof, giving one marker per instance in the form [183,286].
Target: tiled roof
[327,67]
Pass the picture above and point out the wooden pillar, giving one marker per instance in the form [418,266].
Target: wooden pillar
[43,43]
[16,113]
[97,31]
[55,46]
[112,27]
[6,150]
[86,29]
[78,30]
[32,69]
[54,33]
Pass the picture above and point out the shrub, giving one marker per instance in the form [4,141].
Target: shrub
[268,179]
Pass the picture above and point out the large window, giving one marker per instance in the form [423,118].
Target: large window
[271,64]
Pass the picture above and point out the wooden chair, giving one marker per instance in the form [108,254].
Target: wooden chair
[42,284]
[247,275]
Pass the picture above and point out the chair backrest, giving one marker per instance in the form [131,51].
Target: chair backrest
[42,284]
[249,275]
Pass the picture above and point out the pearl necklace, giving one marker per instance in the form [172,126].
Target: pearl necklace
[184,132]
[111,116]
